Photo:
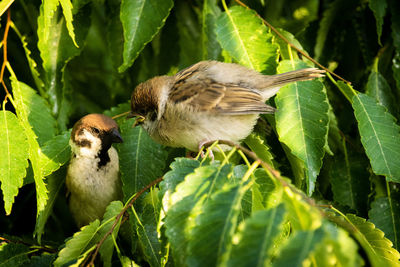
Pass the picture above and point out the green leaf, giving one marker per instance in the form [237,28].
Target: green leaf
[379,9]
[107,249]
[210,241]
[78,244]
[36,110]
[253,243]
[190,49]
[147,229]
[325,25]
[385,214]
[302,215]
[55,184]
[13,255]
[378,88]
[32,63]
[57,49]
[67,11]
[396,69]
[302,121]
[141,21]
[349,180]
[299,247]
[380,136]
[337,248]
[270,191]
[210,46]
[141,159]
[196,189]
[394,7]
[42,260]
[179,169]
[284,51]
[57,152]
[14,149]
[256,144]
[378,248]
[246,38]
[25,108]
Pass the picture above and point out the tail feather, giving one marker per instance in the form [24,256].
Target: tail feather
[292,76]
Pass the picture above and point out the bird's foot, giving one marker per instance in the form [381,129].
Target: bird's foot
[203,145]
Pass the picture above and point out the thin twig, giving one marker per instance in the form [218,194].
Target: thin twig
[292,45]
[121,115]
[44,248]
[5,60]
[123,211]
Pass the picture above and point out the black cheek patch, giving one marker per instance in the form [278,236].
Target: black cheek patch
[84,143]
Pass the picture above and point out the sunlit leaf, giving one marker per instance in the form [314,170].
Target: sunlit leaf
[141,20]
[246,38]
[378,248]
[255,238]
[196,188]
[210,241]
[302,121]
[57,152]
[299,247]
[25,108]
[301,215]
[76,246]
[337,249]
[67,11]
[256,144]
[380,136]
[385,214]
[14,149]
[57,49]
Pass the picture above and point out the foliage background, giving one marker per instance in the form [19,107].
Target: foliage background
[64,59]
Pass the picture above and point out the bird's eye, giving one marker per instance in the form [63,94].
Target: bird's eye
[96,130]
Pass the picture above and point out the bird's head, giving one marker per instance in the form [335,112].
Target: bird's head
[94,134]
[149,98]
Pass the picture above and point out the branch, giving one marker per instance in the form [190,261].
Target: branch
[123,211]
[292,45]
[5,60]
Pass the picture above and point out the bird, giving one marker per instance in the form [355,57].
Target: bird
[92,179]
[208,101]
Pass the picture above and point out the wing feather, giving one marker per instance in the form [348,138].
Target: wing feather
[205,94]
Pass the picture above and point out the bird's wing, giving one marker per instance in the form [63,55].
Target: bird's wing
[205,94]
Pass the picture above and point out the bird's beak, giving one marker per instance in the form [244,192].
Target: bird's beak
[131,115]
[139,120]
[116,136]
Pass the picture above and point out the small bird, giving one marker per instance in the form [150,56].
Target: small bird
[93,172]
[208,101]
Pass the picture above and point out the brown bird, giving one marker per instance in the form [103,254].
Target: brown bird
[208,101]
[93,172]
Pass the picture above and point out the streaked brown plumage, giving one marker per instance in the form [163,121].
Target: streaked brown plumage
[208,101]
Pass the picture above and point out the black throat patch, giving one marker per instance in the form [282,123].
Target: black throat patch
[104,157]
[106,141]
